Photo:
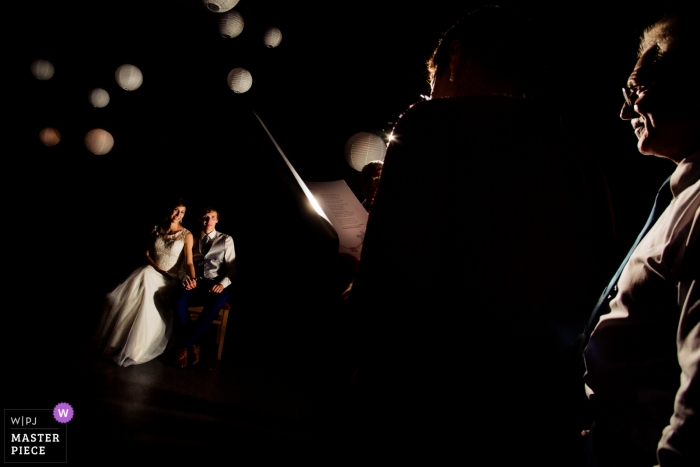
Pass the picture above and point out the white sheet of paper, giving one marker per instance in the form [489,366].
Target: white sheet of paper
[344,212]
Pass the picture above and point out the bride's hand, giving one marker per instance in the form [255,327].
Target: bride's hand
[166,274]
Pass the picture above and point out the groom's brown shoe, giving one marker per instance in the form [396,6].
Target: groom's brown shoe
[181,358]
[195,354]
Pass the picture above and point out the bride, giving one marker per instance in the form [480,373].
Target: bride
[138,317]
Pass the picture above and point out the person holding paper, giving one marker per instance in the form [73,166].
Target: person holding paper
[484,247]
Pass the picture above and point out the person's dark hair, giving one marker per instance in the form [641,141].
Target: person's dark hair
[178,202]
[209,209]
[503,45]
[370,170]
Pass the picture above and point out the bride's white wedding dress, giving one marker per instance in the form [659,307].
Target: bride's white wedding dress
[138,316]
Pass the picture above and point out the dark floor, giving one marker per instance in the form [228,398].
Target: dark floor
[229,405]
[282,402]
[290,396]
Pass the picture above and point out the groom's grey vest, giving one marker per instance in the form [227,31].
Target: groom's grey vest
[213,264]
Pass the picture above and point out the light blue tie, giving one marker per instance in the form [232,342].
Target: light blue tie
[663,198]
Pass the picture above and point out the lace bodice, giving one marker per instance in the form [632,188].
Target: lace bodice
[169,249]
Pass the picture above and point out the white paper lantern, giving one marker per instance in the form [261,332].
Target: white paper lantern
[272,37]
[99,141]
[50,136]
[363,148]
[42,69]
[240,80]
[231,24]
[219,6]
[99,97]
[129,77]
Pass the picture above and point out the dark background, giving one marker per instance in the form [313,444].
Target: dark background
[339,70]
[74,221]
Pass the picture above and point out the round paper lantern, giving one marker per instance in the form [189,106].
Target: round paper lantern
[99,97]
[272,37]
[99,141]
[219,6]
[231,24]
[42,69]
[50,136]
[129,77]
[363,148]
[240,80]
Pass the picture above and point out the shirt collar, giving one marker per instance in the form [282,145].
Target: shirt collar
[686,174]
[211,235]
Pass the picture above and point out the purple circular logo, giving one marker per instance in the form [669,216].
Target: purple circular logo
[63,412]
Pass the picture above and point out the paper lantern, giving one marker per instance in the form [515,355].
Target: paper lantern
[231,24]
[129,77]
[42,69]
[99,97]
[219,6]
[99,141]
[50,136]
[363,148]
[272,37]
[240,80]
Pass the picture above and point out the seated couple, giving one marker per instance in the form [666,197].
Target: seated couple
[183,270]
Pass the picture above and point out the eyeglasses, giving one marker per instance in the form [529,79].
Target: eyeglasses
[631,94]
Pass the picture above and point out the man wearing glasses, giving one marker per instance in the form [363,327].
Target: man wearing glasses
[643,341]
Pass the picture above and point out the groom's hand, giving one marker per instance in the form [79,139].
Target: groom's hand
[189,283]
[218,288]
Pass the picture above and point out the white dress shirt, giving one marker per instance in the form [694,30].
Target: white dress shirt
[643,357]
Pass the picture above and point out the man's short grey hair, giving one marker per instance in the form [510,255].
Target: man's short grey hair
[675,41]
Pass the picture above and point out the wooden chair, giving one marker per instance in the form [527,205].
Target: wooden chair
[221,321]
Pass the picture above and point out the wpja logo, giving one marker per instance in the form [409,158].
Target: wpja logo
[37,435]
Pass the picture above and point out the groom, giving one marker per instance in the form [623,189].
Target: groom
[214,263]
